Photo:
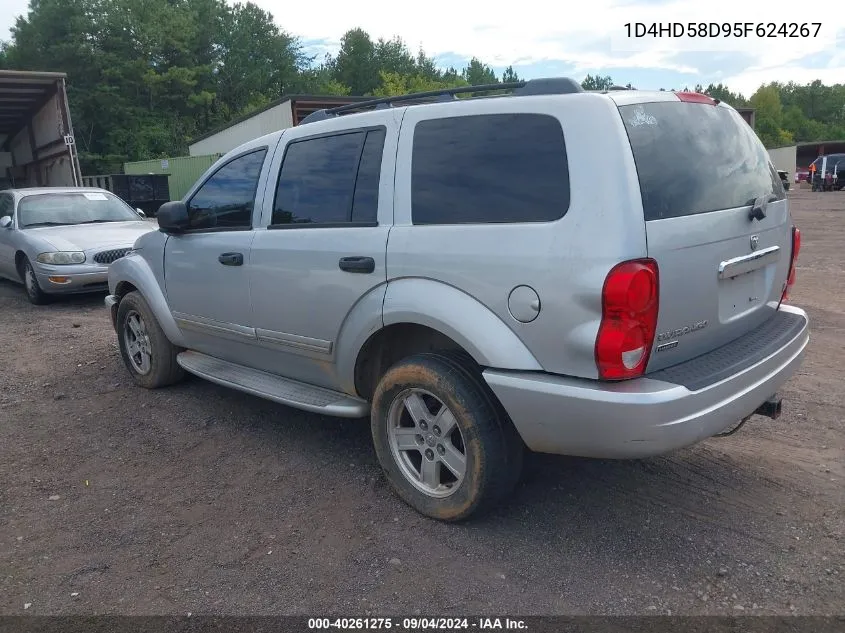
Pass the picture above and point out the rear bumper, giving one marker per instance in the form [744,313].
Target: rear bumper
[641,417]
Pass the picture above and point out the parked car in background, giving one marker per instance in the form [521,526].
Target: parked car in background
[802,174]
[833,177]
[451,270]
[59,240]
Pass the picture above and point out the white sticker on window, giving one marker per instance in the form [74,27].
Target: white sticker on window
[95,196]
[641,118]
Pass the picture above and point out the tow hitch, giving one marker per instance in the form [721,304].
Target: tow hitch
[770,408]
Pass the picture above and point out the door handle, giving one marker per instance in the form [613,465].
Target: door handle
[231,259]
[357,264]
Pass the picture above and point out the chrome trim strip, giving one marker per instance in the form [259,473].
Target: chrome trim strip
[746,263]
[293,340]
[209,326]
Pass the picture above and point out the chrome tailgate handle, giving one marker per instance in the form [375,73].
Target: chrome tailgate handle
[746,263]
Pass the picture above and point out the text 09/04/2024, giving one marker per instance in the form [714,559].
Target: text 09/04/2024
[722,29]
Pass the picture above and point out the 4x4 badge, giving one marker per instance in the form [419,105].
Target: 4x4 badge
[755,240]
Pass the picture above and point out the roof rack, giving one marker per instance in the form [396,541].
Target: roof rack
[550,86]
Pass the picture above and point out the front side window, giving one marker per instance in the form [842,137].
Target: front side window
[330,180]
[226,200]
[68,208]
[491,168]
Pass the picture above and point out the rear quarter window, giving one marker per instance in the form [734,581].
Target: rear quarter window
[492,168]
[695,158]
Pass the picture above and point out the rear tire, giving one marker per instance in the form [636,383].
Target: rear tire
[446,446]
[34,292]
[147,353]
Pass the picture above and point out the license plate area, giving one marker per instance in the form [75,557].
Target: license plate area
[742,294]
[745,282]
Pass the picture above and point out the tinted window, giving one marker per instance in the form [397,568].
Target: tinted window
[489,168]
[365,202]
[226,199]
[330,180]
[694,158]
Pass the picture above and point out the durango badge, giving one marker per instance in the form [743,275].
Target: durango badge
[665,336]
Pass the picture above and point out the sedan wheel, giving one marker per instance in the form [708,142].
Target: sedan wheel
[34,293]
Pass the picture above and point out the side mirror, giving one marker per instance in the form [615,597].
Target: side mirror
[173,217]
[141,213]
[5,222]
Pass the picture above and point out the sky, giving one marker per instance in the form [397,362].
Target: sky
[545,39]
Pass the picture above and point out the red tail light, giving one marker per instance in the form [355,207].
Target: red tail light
[796,248]
[629,319]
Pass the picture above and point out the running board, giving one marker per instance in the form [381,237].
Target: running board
[265,385]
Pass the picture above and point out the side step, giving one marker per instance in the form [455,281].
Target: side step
[272,387]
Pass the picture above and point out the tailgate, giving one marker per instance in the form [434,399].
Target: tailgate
[702,173]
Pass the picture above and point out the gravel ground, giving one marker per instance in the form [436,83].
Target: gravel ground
[199,499]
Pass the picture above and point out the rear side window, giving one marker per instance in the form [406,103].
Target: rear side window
[330,180]
[694,158]
[490,168]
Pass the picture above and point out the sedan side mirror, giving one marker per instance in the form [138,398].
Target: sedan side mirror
[141,213]
[173,217]
[5,222]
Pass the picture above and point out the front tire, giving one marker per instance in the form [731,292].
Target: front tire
[446,446]
[34,292]
[147,353]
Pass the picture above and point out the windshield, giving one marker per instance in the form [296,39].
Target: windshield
[58,209]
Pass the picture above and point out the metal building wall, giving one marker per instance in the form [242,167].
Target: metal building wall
[279,117]
[784,158]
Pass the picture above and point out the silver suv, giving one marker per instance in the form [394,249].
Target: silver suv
[593,274]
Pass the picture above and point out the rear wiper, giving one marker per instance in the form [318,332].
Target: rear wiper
[758,208]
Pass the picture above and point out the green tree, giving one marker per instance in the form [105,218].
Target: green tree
[356,63]
[597,82]
[394,84]
[257,59]
[477,73]
[722,93]
[394,57]
[509,75]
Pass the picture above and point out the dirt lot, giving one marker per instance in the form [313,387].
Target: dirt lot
[199,499]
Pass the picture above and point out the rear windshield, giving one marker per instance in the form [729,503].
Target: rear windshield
[695,158]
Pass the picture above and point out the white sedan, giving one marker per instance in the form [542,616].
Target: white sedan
[61,240]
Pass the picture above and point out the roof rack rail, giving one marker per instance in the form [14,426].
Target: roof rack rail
[550,86]
[619,88]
